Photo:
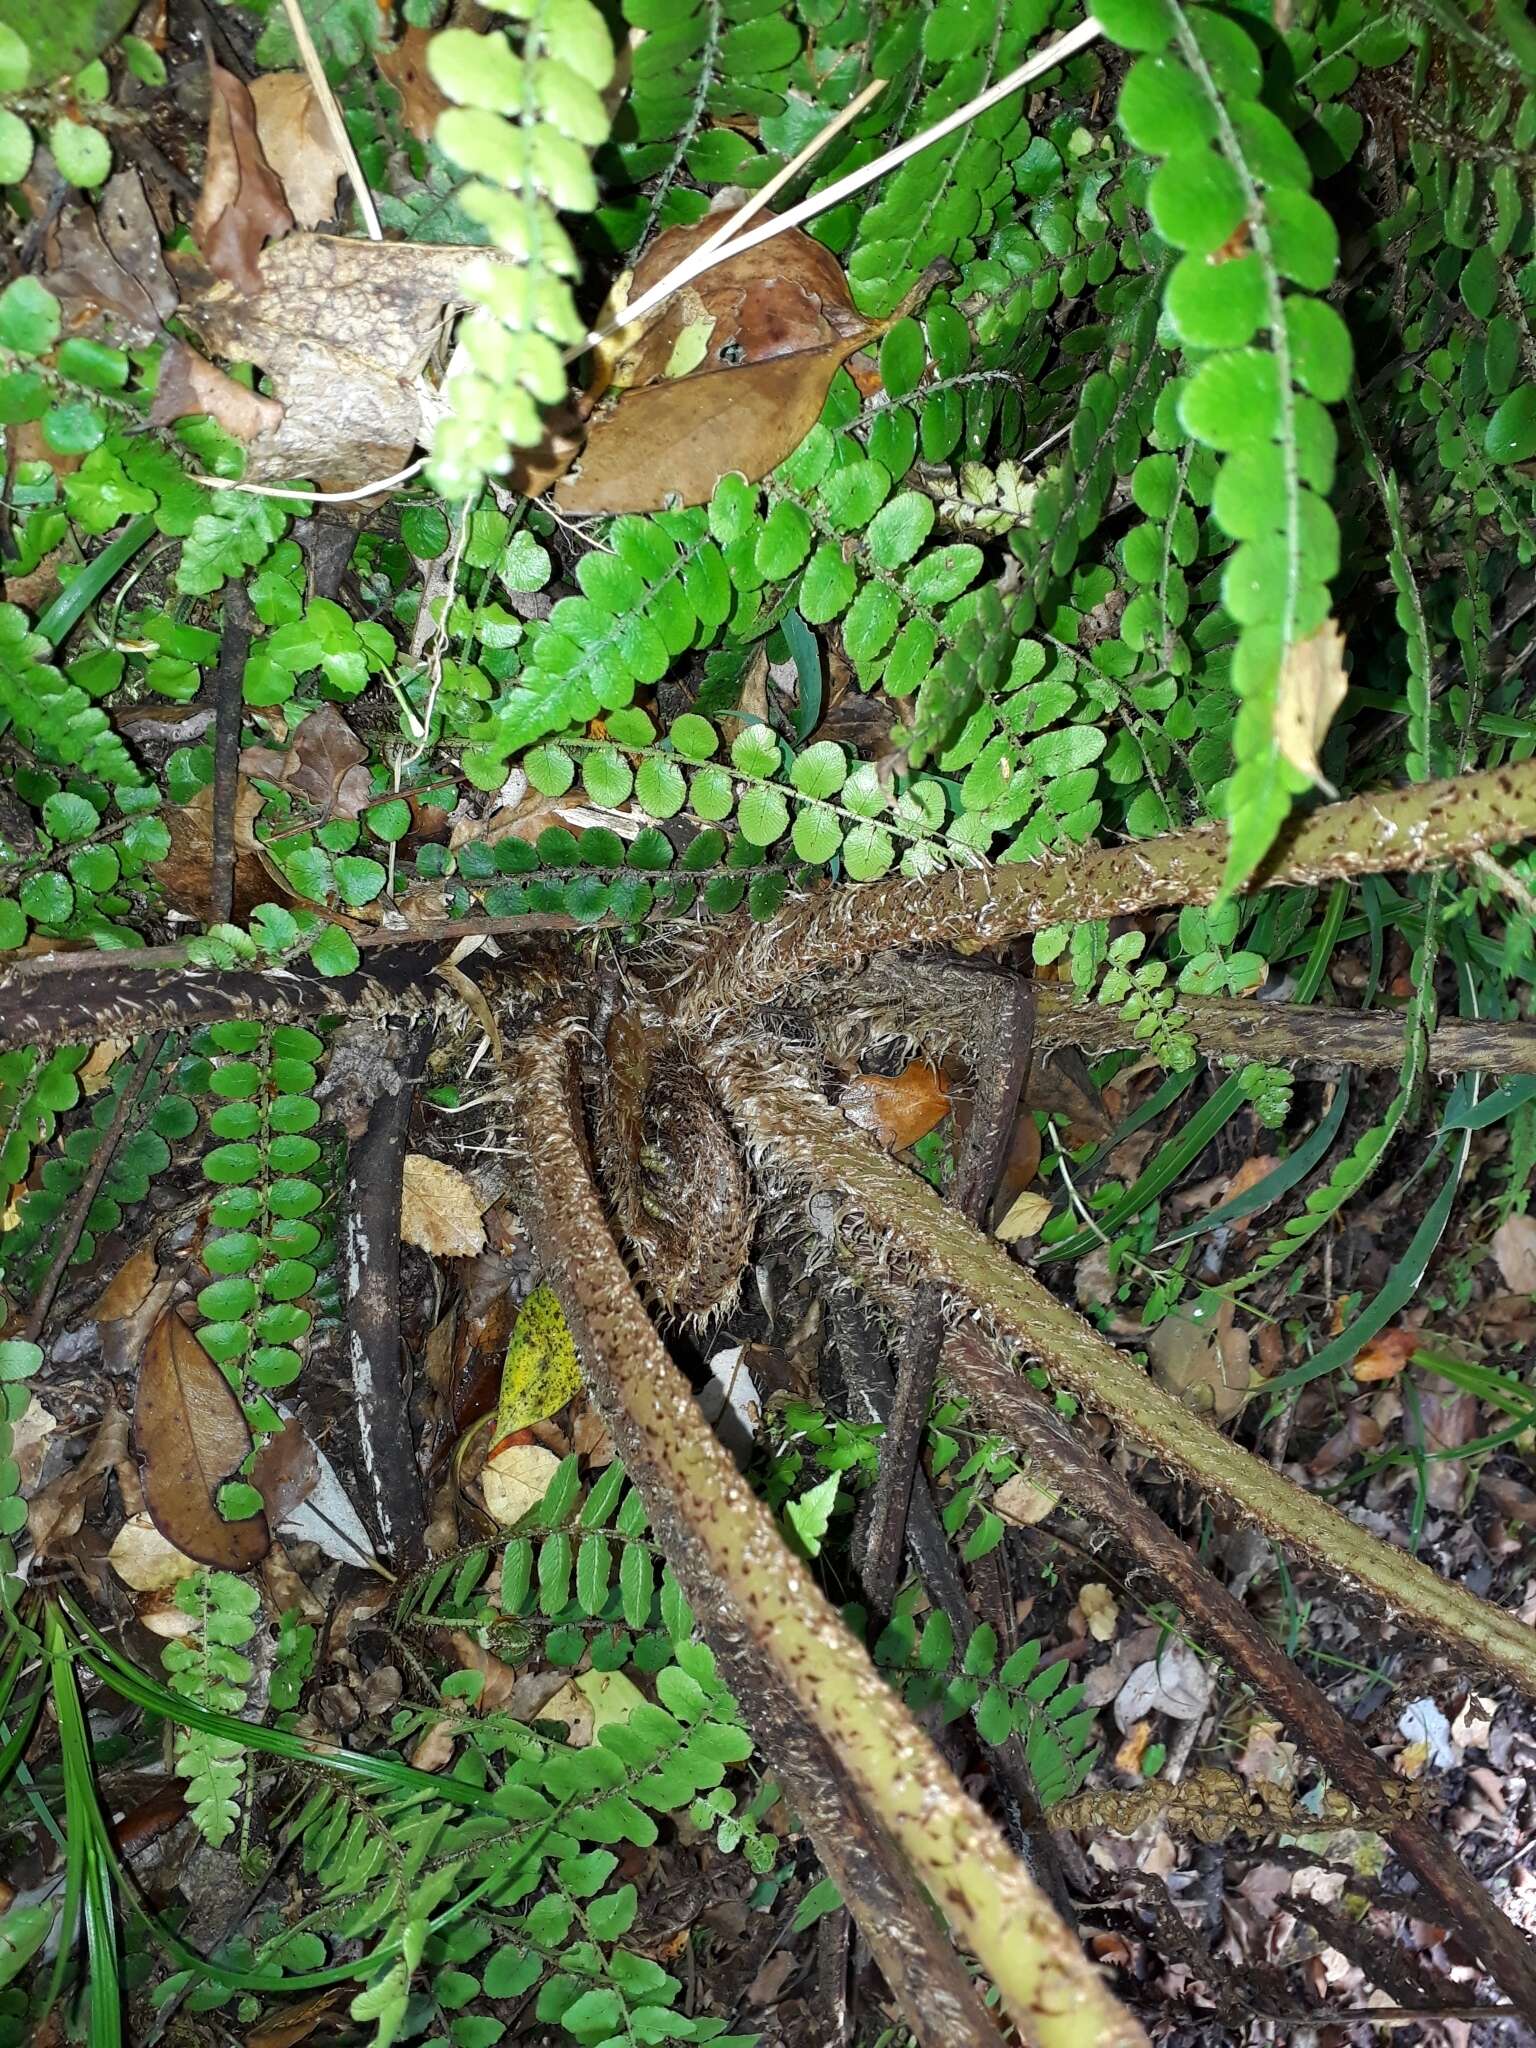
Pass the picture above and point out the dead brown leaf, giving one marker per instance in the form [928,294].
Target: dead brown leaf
[293,2023]
[189,383]
[191,1435]
[728,374]
[97,1071]
[56,1512]
[404,64]
[323,762]
[439,1210]
[241,205]
[286,1472]
[1204,1361]
[1131,1751]
[897,1109]
[1311,688]
[1514,1248]
[296,141]
[1386,1355]
[107,260]
[345,330]
[186,873]
[1443,1419]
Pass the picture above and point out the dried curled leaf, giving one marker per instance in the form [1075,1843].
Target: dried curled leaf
[897,1109]
[188,383]
[241,205]
[1311,689]
[107,260]
[730,373]
[190,1434]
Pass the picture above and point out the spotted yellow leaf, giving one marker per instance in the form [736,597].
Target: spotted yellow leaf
[540,1374]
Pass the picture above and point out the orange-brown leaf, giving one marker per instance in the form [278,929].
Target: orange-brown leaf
[405,66]
[897,1109]
[191,1434]
[1386,1355]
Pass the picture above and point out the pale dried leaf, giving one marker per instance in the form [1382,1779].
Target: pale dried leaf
[191,1435]
[1026,1216]
[435,1749]
[97,1071]
[146,1561]
[1100,1611]
[575,1710]
[1514,1248]
[1311,688]
[1176,1684]
[516,1479]
[296,140]
[1423,1722]
[241,205]
[1022,1504]
[189,383]
[439,1210]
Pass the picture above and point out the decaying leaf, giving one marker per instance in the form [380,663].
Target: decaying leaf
[1514,1249]
[191,1434]
[540,1373]
[516,1479]
[1026,1215]
[1175,1683]
[55,1513]
[146,1561]
[344,329]
[189,383]
[897,1109]
[185,875]
[324,762]
[1021,1503]
[1100,1612]
[241,205]
[730,373]
[1312,686]
[296,141]
[1386,1355]
[404,64]
[286,1471]
[439,1210]
[108,261]
[1204,1361]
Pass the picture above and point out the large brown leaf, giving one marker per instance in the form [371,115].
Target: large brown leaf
[729,374]
[297,142]
[344,329]
[242,203]
[191,1435]
[188,383]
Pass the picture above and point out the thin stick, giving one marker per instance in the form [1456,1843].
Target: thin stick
[383,483]
[707,257]
[732,225]
[320,85]
[80,1208]
[228,704]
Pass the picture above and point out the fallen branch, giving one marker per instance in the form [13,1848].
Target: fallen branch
[1010,1405]
[714,1529]
[228,709]
[370,1267]
[802,1138]
[1425,825]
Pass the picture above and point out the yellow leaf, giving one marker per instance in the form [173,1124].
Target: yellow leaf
[1024,1217]
[540,1374]
[1311,688]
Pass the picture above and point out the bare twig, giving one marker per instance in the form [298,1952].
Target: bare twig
[228,706]
[370,1261]
[74,1223]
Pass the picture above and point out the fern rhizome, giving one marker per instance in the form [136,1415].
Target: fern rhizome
[695,697]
